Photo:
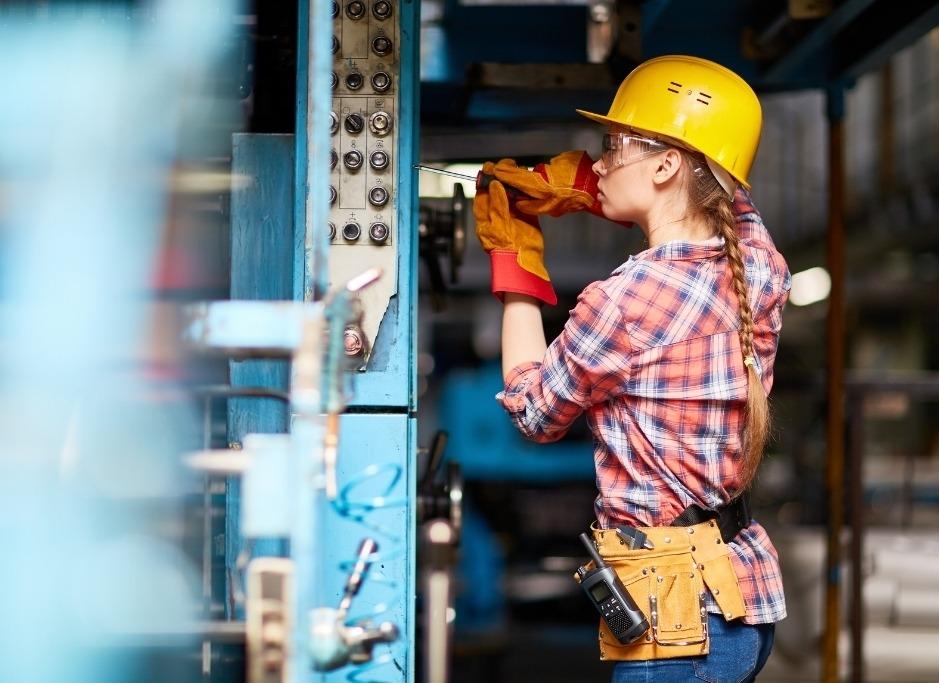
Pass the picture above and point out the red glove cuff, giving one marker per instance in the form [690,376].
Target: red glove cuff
[508,276]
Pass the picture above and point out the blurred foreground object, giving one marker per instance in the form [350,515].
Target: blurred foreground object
[93,102]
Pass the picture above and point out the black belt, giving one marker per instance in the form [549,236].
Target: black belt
[730,519]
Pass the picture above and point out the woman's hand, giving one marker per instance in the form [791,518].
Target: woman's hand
[515,246]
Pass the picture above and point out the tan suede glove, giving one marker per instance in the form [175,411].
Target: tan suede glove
[515,246]
[565,184]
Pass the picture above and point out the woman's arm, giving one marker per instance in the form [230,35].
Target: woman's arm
[523,339]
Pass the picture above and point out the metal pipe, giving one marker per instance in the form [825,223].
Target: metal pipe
[438,540]
[856,488]
[834,469]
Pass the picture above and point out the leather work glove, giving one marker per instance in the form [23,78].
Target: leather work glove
[565,184]
[515,246]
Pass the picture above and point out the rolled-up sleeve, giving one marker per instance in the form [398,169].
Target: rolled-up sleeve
[587,364]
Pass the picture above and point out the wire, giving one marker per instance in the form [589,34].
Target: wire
[356,504]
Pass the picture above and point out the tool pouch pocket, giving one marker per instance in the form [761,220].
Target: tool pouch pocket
[677,614]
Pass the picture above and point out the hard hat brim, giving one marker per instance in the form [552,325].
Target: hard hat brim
[599,118]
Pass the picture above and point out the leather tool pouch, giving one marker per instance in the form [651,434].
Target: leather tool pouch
[668,583]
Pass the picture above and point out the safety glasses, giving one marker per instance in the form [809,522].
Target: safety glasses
[620,149]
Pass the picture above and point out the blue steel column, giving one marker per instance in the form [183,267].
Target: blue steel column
[314,101]
[376,465]
[310,278]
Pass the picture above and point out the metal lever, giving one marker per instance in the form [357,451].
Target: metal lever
[333,644]
[354,582]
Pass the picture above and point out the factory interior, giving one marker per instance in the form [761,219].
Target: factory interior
[251,356]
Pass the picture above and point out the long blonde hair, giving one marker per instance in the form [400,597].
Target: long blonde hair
[707,197]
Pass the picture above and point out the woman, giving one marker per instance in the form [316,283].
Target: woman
[671,359]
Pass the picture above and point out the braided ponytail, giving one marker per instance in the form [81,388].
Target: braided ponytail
[707,196]
[756,425]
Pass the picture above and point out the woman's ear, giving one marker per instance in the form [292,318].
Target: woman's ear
[667,166]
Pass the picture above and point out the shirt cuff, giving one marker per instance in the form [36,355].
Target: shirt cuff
[513,396]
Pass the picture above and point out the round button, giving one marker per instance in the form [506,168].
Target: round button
[378,232]
[381,9]
[379,123]
[381,46]
[379,160]
[381,81]
[355,10]
[354,124]
[332,195]
[333,159]
[378,196]
[335,44]
[333,122]
[332,230]
[354,80]
[351,231]
[334,80]
[353,160]
[335,9]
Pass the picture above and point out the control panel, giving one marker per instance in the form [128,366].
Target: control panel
[363,160]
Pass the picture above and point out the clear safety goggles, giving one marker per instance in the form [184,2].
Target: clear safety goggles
[620,149]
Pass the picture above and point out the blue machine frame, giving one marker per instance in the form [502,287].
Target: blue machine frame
[280,251]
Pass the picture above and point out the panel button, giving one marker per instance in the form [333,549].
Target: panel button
[353,160]
[355,10]
[335,9]
[381,81]
[333,122]
[354,124]
[378,232]
[379,123]
[332,230]
[335,44]
[351,231]
[382,45]
[334,80]
[355,80]
[378,196]
[379,160]
[381,9]
[332,195]
[333,159]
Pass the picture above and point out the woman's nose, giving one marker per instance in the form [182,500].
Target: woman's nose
[598,168]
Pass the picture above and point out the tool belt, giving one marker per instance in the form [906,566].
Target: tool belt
[730,519]
[668,584]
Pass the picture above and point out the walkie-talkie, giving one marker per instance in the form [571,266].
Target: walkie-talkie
[608,594]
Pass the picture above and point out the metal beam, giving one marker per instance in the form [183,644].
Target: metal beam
[787,67]
[905,35]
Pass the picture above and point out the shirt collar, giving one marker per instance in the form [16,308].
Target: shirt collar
[679,250]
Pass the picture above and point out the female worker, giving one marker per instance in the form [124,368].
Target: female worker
[670,357]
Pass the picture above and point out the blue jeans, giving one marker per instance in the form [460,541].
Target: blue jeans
[738,652]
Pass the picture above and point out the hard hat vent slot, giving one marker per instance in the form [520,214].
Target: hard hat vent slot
[675,88]
[704,101]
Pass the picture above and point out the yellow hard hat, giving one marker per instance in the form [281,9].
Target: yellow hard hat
[697,103]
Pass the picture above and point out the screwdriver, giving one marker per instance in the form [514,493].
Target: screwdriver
[481,180]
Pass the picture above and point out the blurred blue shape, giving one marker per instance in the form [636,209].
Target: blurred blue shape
[92,104]
[486,444]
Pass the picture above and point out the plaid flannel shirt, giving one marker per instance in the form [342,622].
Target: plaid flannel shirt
[653,357]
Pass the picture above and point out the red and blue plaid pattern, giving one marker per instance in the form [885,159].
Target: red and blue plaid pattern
[652,356]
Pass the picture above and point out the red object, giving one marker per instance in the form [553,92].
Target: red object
[508,276]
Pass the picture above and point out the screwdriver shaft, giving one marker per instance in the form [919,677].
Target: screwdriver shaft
[461,176]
